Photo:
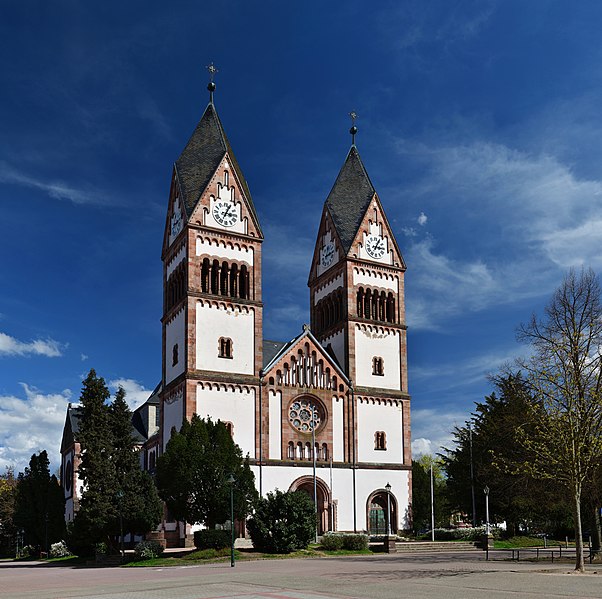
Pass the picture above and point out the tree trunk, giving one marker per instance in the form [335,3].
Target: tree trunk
[579,561]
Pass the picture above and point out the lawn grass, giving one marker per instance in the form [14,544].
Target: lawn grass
[208,556]
[518,542]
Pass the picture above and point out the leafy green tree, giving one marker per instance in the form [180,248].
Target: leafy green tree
[514,496]
[8,530]
[193,471]
[39,504]
[565,377]
[139,503]
[283,522]
[421,493]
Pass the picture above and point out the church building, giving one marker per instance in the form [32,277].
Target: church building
[336,396]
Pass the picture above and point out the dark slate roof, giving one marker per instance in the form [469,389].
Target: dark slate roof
[74,413]
[200,158]
[270,349]
[350,197]
[139,432]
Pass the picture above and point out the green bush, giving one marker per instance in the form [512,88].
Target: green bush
[148,550]
[283,522]
[461,534]
[212,539]
[332,542]
[355,542]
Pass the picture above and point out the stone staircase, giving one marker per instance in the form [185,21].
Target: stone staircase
[407,546]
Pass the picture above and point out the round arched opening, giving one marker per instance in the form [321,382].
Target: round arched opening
[381,509]
[325,506]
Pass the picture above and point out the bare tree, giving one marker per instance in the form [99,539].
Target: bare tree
[565,375]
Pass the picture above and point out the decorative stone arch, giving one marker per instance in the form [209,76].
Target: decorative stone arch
[376,513]
[326,506]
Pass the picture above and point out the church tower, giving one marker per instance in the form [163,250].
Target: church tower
[212,310]
[357,307]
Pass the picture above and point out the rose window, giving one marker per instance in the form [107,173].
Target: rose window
[304,415]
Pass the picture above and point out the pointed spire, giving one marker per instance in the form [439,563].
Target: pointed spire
[353,129]
[350,197]
[211,87]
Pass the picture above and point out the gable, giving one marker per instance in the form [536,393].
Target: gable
[328,251]
[374,240]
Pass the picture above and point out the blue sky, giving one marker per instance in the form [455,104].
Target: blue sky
[478,124]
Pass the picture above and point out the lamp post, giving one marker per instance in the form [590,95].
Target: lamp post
[432,505]
[486,491]
[231,480]
[119,496]
[388,488]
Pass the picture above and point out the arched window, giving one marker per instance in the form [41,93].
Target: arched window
[291,450]
[360,302]
[308,451]
[317,450]
[205,276]
[243,285]
[390,308]
[300,451]
[378,366]
[225,347]
[224,284]
[215,277]
[234,280]
[324,452]
[174,356]
[380,441]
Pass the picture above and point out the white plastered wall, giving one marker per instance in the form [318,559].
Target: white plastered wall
[370,278]
[173,414]
[366,482]
[226,193]
[222,251]
[174,333]
[337,342]
[324,290]
[213,322]
[230,404]
[275,414]
[373,341]
[337,429]
[372,417]
[171,266]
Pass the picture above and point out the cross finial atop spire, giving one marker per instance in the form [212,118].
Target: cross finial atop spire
[211,87]
[353,129]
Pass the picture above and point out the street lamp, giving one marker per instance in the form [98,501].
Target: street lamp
[119,496]
[388,488]
[231,480]
[313,445]
[486,491]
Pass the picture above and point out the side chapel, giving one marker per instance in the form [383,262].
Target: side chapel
[336,393]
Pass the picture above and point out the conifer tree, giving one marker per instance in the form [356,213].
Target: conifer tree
[140,506]
[39,504]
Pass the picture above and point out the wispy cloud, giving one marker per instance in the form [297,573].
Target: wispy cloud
[135,393]
[9,346]
[31,423]
[59,190]
[432,429]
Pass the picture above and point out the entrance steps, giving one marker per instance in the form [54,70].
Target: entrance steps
[406,546]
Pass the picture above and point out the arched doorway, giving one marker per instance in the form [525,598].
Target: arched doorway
[326,516]
[377,518]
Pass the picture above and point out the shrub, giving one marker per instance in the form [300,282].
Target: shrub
[212,539]
[332,542]
[461,534]
[355,542]
[148,550]
[59,550]
[283,522]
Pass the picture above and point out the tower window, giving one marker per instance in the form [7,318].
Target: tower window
[225,347]
[174,360]
[380,441]
[378,366]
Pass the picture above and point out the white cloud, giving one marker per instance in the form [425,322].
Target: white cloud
[421,446]
[84,357]
[422,219]
[432,429]
[9,346]
[135,393]
[30,424]
[55,189]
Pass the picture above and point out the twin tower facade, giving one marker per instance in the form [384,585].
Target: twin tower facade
[337,394]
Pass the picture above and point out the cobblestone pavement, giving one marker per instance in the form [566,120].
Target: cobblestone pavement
[426,575]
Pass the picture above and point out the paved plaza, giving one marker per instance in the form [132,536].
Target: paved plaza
[450,576]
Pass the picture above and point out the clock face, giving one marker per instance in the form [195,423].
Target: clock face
[176,223]
[375,246]
[225,214]
[327,254]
